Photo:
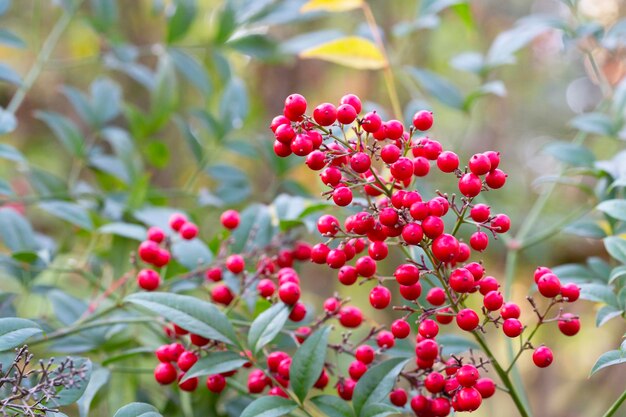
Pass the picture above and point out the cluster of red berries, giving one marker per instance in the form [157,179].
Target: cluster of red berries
[151,252]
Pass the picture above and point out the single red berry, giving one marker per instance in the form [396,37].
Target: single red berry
[365,354]
[371,122]
[342,196]
[177,220]
[400,329]
[390,153]
[380,297]
[319,253]
[428,329]
[336,258]
[445,248]
[148,251]
[486,387]
[350,317]
[393,129]
[298,312]
[222,294]
[235,264]
[569,324]
[352,100]
[282,149]
[488,284]
[322,381]
[541,271]
[279,121]
[462,281]
[230,219]
[345,389]
[512,327]
[316,160]
[542,357]
[407,274]
[277,392]
[570,292]
[480,213]
[479,241]
[148,279]
[549,285]
[331,305]
[274,359]
[420,405]
[447,161]
[440,407]
[493,300]
[295,106]
[402,169]
[433,226]
[479,164]
[398,397]
[331,176]
[328,225]
[347,275]
[495,179]
[421,166]
[470,185]
[385,339]
[216,383]
[436,296]
[468,399]
[411,292]
[464,252]
[346,114]
[378,250]
[494,158]
[186,360]
[423,120]
[289,293]
[510,311]
[189,385]
[188,231]
[165,373]
[434,382]
[285,134]
[467,375]
[302,145]
[427,349]
[360,162]
[366,266]
[501,223]
[156,234]
[412,233]
[325,114]
[198,340]
[467,319]
[357,369]
[444,316]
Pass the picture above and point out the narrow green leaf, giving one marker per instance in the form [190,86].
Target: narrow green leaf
[617,273]
[585,228]
[610,358]
[598,292]
[192,253]
[255,229]
[596,123]
[106,97]
[381,410]
[137,410]
[190,313]
[308,362]
[376,384]
[65,130]
[191,69]
[616,246]
[68,211]
[614,208]
[9,75]
[15,331]
[128,230]
[99,378]
[267,326]
[440,88]
[453,344]
[333,406]
[607,313]
[8,123]
[181,20]
[16,232]
[271,406]
[570,153]
[10,39]
[216,363]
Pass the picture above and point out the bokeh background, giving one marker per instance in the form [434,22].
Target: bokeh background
[245,61]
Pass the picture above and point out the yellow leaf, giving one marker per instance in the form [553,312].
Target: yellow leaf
[331,5]
[352,51]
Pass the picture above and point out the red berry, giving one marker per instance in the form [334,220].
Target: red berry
[186,360]
[148,279]
[328,225]
[319,253]
[493,300]
[352,100]
[541,271]
[412,233]
[488,284]
[356,370]
[496,179]
[440,407]
[570,292]
[350,317]
[512,327]
[432,226]
[486,387]
[342,196]
[398,397]
[282,149]
[331,176]
[467,375]
[436,296]
[428,329]
[444,316]
[365,354]
[393,129]
[295,106]
[165,373]
[501,223]
[385,339]
[510,311]
[347,275]
[198,340]
[434,382]
[423,120]
[407,274]
[380,297]
[274,359]
[480,213]
[402,169]
[427,349]
[388,216]
[230,219]
[479,241]
[216,383]
[156,234]
[189,385]
[298,312]
[445,248]
[222,294]
[322,381]
[331,305]
[470,185]
[289,293]
[177,220]
[378,250]
[235,264]
[279,121]
[447,161]
[467,319]
[420,405]
[469,399]
[346,114]
[400,329]
[316,160]
[390,153]
[479,164]
[345,389]
[188,231]
[148,251]
[336,258]
[302,145]
[549,285]
[494,158]
[325,114]
[464,252]
[462,281]
[542,357]
[371,122]
[411,292]
[360,162]
[569,325]
[421,166]
[366,266]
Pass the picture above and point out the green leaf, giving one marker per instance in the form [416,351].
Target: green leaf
[67,308]
[106,96]
[165,94]
[308,362]
[254,45]
[191,253]
[570,153]
[10,76]
[137,410]
[381,410]
[350,51]
[191,69]
[585,228]
[190,136]
[472,62]
[127,230]
[496,88]
[507,43]
[65,131]
[105,14]
[8,123]
[440,88]
[70,212]
[598,292]
[190,313]
[333,406]
[267,326]
[15,331]
[216,363]
[617,273]
[181,20]
[157,154]
[227,23]
[453,344]
[10,153]
[614,208]
[597,123]
[71,394]
[255,229]
[610,358]
[16,232]
[234,105]
[99,378]
[233,183]
[616,246]
[271,406]
[376,384]
[10,39]
[607,313]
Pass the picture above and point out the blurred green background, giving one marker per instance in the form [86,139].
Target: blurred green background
[199,136]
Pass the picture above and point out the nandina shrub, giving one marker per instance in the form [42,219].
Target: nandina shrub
[259,335]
